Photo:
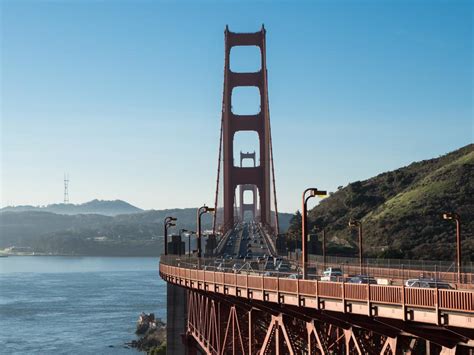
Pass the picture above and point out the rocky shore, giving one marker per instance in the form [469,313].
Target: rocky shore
[152,335]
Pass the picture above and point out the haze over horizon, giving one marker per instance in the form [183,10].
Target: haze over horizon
[101,90]
[127,202]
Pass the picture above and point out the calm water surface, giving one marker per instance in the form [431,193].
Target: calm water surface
[86,305]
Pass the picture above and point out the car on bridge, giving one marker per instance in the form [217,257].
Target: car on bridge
[269,266]
[332,274]
[237,267]
[428,283]
[362,279]
[283,267]
[295,276]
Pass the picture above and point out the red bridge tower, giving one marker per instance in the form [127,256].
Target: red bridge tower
[234,176]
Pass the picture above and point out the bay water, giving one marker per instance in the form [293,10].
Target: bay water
[82,305]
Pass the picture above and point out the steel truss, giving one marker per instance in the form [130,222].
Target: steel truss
[226,325]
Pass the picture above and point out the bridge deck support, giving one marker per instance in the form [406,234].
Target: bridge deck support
[176,319]
[226,325]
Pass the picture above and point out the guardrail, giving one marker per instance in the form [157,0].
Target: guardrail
[222,241]
[422,265]
[395,274]
[390,276]
[195,273]
[269,241]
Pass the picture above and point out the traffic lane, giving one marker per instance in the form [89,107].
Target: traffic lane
[238,243]
[253,244]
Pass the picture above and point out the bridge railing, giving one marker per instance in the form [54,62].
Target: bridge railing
[293,270]
[201,274]
[401,264]
[270,242]
[222,242]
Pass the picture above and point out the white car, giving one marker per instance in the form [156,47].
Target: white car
[332,274]
[427,283]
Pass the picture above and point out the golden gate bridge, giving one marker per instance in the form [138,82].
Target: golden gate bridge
[239,294]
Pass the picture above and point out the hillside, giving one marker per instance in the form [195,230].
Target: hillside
[94,234]
[401,210]
[106,208]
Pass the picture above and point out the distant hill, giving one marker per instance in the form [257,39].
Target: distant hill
[95,234]
[186,218]
[106,208]
[401,210]
[22,228]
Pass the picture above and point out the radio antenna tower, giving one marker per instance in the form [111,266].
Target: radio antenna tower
[66,189]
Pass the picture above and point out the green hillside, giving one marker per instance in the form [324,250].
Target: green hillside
[401,210]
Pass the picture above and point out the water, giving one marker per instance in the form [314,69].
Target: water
[86,305]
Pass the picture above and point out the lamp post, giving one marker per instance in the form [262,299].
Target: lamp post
[168,222]
[200,212]
[457,218]
[357,224]
[189,238]
[304,224]
[324,249]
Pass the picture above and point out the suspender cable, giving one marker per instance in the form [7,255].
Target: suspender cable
[214,221]
[277,223]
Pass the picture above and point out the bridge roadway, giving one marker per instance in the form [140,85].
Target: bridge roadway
[246,241]
[441,316]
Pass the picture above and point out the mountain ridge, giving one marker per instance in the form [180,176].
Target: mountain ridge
[102,207]
[401,210]
[137,234]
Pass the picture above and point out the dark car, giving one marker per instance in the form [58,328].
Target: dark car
[362,279]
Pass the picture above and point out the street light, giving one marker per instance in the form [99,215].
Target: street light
[189,238]
[324,248]
[457,218]
[313,192]
[357,224]
[168,222]
[200,212]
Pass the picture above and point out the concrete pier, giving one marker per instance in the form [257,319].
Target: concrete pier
[176,304]
[176,319]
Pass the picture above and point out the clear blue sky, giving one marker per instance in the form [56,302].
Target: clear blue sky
[125,96]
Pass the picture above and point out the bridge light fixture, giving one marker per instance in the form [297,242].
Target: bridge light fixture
[358,224]
[450,216]
[313,192]
[200,211]
[316,192]
[454,216]
[168,222]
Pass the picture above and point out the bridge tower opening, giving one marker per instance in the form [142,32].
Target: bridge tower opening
[244,206]
[260,177]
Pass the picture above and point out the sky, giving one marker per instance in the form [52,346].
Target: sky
[125,96]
